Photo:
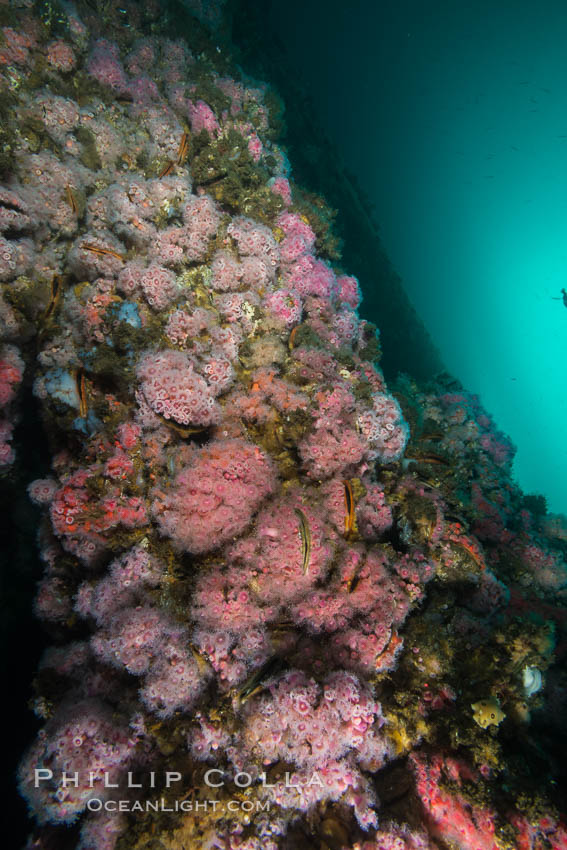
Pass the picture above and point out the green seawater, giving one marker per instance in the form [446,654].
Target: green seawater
[453,119]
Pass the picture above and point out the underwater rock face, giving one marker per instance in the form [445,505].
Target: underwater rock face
[252,580]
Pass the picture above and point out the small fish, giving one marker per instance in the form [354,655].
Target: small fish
[184,431]
[71,200]
[102,252]
[254,684]
[291,340]
[215,179]
[352,583]
[56,286]
[454,518]
[349,507]
[82,393]
[202,663]
[429,458]
[467,545]
[183,149]
[305,533]
[165,172]
[425,526]
[282,626]
[391,646]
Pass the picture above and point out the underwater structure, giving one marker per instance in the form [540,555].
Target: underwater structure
[290,606]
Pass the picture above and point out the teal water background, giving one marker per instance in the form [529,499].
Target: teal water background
[453,117]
